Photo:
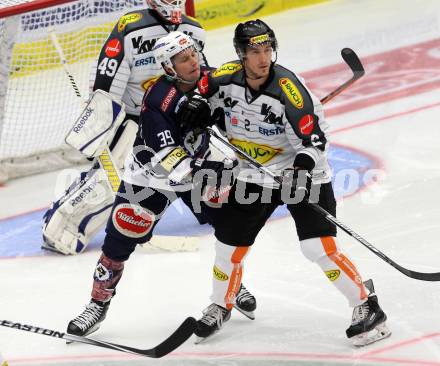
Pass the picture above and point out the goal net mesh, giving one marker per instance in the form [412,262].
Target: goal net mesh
[37,102]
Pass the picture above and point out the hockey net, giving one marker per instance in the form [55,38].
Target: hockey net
[37,103]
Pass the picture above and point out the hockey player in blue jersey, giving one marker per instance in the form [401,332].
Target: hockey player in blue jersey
[125,68]
[167,161]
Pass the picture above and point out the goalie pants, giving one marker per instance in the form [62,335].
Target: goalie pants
[237,225]
[135,213]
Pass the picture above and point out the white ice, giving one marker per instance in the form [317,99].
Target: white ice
[301,319]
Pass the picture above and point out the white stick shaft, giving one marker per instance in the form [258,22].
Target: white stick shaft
[63,59]
[105,159]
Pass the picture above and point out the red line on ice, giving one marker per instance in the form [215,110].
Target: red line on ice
[236,355]
[389,117]
[401,344]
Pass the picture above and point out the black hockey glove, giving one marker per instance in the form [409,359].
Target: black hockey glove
[194,114]
[296,186]
[215,179]
[213,173]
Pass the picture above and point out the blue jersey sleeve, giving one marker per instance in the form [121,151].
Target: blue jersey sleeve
[160,140]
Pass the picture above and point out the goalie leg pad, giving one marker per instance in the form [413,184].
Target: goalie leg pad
[76,217]
[227,273]
[338,268]
[71,222]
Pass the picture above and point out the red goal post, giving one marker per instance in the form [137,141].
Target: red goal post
[20,7]
[35,97]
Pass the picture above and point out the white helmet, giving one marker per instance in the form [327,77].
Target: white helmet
[170,10]
[169,46]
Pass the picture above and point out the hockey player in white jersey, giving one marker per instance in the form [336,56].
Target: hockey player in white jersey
[267,111]
[125,68]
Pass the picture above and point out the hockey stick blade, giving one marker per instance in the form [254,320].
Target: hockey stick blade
[180,335]
[329,217]
[352,60]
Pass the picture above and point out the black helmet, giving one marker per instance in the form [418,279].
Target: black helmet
[253,33]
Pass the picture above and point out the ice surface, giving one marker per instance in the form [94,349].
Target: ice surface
[301,319]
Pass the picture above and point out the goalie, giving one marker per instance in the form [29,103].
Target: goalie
[125,69]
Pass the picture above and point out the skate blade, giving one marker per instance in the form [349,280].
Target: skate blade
[200,340]
[380,332]
[249,314]
[92,330]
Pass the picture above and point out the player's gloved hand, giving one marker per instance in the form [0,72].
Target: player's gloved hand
[218,173]
[194,114]
[215,179]
[296,185]
[197,145]
[214,169]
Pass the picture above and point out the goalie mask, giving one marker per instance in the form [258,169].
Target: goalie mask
[253,33]
[171,10]
[168,47]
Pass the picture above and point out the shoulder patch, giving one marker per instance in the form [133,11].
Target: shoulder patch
[226,69]
[150,82]
[203,85]
[168,98]
[127,19]
[113,48]
[292,92]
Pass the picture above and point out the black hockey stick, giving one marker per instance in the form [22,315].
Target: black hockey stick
[181,334]
[356,67]
[413,274]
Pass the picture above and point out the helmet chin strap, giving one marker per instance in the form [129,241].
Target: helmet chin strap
[183,81]
[179,79]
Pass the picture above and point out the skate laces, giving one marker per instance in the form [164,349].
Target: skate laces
[243,295]
[360,312]
[89,316]
[213,314]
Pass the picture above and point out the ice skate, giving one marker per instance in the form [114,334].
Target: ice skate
[245,302]
[212,320]
[368,321]
[89,320]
